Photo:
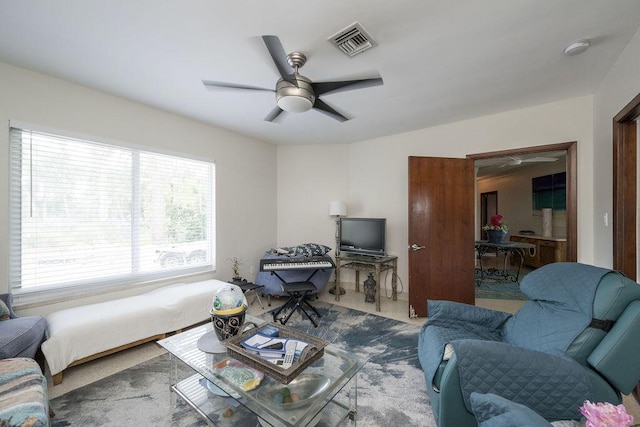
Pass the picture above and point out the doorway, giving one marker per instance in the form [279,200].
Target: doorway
[625,190]
[570,148]
[625,194]
[488,208]
[438,266]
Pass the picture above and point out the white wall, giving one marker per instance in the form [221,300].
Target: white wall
[617,89]
[375,171]
[246,184]
[309,178]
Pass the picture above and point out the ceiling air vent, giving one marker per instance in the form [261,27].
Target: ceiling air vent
[352,40]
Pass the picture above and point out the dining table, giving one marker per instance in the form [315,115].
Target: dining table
[514,251]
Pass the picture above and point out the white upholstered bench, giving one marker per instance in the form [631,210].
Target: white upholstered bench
[80,334]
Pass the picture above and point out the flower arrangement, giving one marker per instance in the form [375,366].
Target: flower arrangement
[496,224]
[605,414]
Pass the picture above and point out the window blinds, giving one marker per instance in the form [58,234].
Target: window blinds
[84,213]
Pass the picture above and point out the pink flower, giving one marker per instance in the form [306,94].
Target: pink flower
[605,415]
[495,223]
[496,220]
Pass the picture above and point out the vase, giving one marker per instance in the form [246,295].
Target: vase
[547,222]
[496,236]
[227,326]
[370,289]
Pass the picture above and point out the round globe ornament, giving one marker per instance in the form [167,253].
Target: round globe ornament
[228,300]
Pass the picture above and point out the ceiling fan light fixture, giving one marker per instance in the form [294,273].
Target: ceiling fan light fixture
[576,47]
[294,104]
[295,99]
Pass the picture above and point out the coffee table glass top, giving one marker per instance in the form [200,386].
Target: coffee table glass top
[337,366]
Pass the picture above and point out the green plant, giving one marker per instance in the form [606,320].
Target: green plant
[496,224]
[186,224]
[235,266]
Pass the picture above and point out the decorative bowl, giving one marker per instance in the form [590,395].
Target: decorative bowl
[306,386]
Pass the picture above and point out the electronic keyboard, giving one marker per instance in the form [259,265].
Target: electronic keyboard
[296,263]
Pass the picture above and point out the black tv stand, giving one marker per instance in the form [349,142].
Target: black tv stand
[368,263]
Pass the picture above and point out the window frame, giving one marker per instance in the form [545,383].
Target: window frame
[127,281]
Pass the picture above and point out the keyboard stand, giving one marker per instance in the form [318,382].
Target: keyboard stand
[297,291]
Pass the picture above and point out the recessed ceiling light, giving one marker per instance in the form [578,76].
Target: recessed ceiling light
[576,48]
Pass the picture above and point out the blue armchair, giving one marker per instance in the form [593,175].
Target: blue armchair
[20,336]
[575,339]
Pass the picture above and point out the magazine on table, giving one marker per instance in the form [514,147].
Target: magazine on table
[272,348]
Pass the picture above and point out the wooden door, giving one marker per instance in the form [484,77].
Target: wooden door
[441,231]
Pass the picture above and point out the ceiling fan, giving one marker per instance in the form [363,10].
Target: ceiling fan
[517,161]
[296,93]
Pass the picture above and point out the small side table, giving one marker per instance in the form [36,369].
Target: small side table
[372,264]
[249,287]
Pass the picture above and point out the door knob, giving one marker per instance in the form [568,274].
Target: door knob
[415,247]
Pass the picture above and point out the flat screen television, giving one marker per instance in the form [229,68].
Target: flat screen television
[365,236]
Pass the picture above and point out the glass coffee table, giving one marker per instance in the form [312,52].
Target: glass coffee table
[194,378]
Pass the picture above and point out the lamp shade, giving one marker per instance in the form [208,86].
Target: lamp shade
[338,208]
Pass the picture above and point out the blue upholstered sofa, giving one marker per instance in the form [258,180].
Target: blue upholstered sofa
[575,339]
[272,284]
[19,336]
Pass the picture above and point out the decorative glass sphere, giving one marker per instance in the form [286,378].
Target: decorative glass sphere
[228,300]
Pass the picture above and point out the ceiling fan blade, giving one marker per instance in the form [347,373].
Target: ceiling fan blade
[209,84]
[539,159]
[321,88]
[279,57]
[322,106]
[273,114]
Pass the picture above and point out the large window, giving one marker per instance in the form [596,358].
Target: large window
[89,214]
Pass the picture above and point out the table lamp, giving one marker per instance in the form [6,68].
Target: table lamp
[337,208]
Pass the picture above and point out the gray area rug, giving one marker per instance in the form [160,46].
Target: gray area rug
[391,386]
[489,289]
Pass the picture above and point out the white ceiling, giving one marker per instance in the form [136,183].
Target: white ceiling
[441,61]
